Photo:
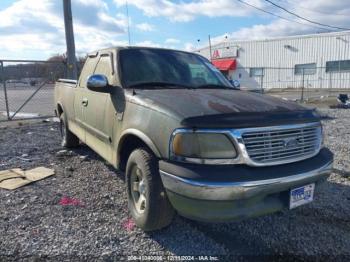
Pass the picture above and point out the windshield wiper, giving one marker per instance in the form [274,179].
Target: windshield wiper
[212,86]
[158,84]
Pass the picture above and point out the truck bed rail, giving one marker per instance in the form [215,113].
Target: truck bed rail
[69,81]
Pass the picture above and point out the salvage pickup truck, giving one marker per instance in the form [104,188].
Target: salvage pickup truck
[188,141]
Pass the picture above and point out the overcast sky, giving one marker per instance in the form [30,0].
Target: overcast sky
[34,29]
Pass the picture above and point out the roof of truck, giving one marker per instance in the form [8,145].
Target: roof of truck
[132,47]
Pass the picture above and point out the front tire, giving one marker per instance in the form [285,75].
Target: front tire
[147,199]
[69,140]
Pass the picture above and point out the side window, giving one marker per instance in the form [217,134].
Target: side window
[337,66]
[256,71]
[199,71]
[88,70]
[306,69]
[104,67]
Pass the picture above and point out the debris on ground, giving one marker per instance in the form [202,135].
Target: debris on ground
[344,102]
[344,99]
[64,153]
[339,106]
[83,158]
[129,224]
[15,178]
[23,158]
[52,119]
[68,201]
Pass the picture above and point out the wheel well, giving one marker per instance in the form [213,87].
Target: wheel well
[129,144]
[59,109]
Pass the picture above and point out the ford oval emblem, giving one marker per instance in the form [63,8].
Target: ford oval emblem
[290,142]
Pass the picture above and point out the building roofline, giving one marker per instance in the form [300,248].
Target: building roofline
[237,41]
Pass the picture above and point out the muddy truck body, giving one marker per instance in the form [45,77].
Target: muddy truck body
[188,141]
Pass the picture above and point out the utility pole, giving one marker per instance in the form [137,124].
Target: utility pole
[68,24]
[211,55]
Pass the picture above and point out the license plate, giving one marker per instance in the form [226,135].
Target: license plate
[301,195]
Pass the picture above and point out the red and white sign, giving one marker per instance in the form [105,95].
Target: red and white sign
[216,54]
[225,52]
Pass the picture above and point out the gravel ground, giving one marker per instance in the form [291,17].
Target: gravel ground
[33,223]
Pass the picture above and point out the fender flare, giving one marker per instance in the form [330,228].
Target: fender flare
[56,108]
[142,136]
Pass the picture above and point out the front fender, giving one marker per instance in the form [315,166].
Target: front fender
[140,135]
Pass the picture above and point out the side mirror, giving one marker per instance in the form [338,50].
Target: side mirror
[98,83]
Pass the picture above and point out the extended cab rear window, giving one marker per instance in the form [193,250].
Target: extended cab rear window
[88,70]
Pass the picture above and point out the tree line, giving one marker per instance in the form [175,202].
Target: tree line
[51,69]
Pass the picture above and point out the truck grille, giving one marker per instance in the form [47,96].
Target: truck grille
[282,145]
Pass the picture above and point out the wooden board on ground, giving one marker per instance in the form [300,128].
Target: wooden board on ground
[15,178]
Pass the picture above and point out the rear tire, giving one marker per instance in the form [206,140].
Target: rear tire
[147,200]
[69,140]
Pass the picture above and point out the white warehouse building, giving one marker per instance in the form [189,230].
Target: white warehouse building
[309,61]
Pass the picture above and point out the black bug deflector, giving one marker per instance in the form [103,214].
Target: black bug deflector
[251,119]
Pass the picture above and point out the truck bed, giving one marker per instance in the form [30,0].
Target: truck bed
[64,95]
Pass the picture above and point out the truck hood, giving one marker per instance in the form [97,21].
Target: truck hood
[224,108]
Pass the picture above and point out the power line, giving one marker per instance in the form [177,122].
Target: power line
[314,11]
[306,19]
[281,17]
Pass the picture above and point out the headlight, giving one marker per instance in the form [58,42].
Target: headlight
[196,145]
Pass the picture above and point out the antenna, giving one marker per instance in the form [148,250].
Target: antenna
[127,15]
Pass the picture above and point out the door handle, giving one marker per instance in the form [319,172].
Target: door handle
[85,102]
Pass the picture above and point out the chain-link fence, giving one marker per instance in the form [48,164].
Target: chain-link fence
[27,88]
[297,83]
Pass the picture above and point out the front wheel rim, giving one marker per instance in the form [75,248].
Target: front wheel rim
[138,189]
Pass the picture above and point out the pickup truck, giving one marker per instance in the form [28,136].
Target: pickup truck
[188,141]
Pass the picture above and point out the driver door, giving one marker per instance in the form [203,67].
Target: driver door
[98,128]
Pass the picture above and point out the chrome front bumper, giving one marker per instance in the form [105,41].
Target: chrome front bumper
[221,191]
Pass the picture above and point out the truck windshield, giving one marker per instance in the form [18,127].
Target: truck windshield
[158,68]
